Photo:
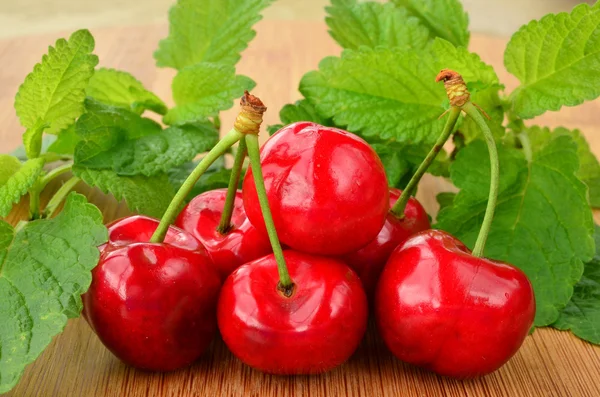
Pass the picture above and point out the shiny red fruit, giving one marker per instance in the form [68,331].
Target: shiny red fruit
[313,331]
[369,261]
[326,187]
[153,305]
[439,307]
[242,244]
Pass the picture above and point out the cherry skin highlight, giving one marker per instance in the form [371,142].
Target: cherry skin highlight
[241,244]
[368,262]
[441,308]
[153,305]
[326,187]
[314,330]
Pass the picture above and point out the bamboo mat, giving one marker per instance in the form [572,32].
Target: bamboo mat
[550,363]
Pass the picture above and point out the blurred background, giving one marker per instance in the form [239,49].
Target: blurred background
[23,17]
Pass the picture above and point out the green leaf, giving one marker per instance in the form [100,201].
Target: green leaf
[445,199]
[392,93]
[208,31]
[156,153]
[9,165]
[47,140]
[215,177]
[582,313]
[19,183]
[444,18]
[542,224]
[54,92]
[121,89]
[32,139]
[557,61]
[202,90]
[44,269]
[147,195]
[589,168]
[370,24]
[65,142]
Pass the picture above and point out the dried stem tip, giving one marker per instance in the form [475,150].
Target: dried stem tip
[456,89]
[250,117]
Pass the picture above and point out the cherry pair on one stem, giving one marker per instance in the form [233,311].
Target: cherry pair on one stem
[447,309]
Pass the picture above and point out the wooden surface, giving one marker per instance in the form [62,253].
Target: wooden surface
[550,363]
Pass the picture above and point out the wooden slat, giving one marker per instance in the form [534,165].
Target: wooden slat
[550,363]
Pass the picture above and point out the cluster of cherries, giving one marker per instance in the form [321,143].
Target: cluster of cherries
[160,291]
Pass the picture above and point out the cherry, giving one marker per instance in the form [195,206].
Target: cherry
[326,187]
[441,308]
[242,243]
[369,261]
[314,330]
[153,305]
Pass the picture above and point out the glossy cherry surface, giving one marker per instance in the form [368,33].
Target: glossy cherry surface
[153,305]
[441,308]
[241,244]
[326,187]
[369,261]
[313,331]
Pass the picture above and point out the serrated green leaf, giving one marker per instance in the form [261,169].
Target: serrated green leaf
[121,89]
[542,224]
[147,195]
[54,92]
[204,89]
[64,143]
[19,183]
[444,18]
[9,165]
[104,127]
[589,168]
[208,31]
[215,177]
[47,140]
[32,139]
[371,24]
[156,153]
[582,313]
[44,269]
[391,93]
[557,61]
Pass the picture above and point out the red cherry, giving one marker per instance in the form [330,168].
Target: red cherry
[326,187]
[153,305]
[369,261]
[242,244]
[314,330]
[441,308]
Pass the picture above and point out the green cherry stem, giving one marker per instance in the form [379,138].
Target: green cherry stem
[234,180]
[398,208]
[286,286]
[59,196]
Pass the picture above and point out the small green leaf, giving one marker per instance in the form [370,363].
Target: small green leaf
[32,139]
[202,90]
[371,24]
[147,195]
[54,92]
[208,31]
[9,165]
[44,269]
[556,60]
[589,168]
[64,143]
[215,177]
[444,18]
[19,183]
[121,89]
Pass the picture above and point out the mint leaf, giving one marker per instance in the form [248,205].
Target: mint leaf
[147,195]
[582,313]
[215,177]
[589,168]
[32,139]
[19,183]
[156,153]
[543,223]
[556,61]
[64,143]
[391,93]
[202,90]
[44,269]
[53,93]
[208,31]
[444,18]
[370,24]
[104,127]
[9,166]
[121,89]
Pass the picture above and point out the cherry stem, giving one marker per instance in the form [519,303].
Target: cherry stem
[474,113]
[234,180]
[398,208]
[172,211]
[285,282]
[59,196]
